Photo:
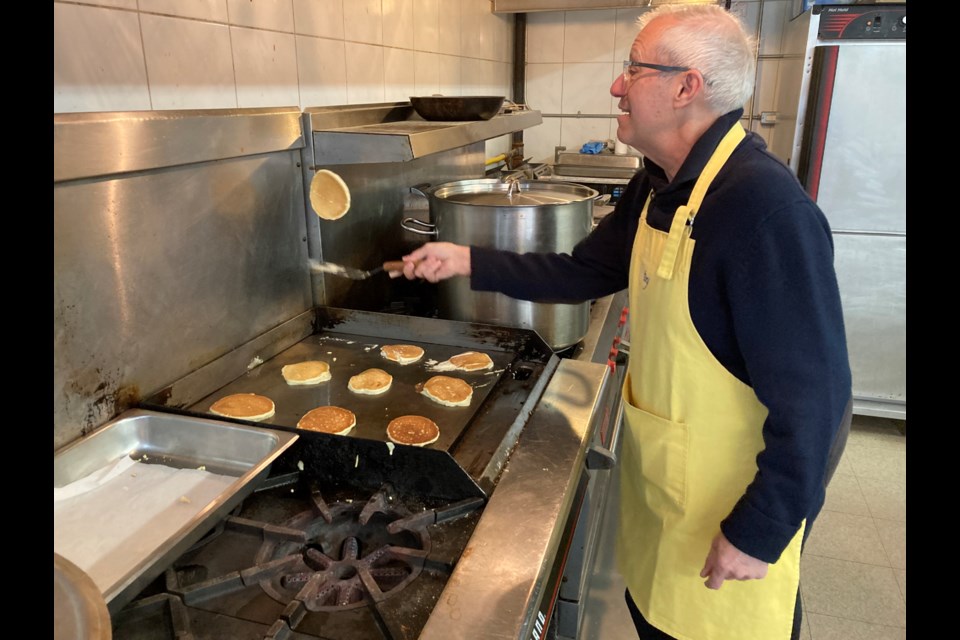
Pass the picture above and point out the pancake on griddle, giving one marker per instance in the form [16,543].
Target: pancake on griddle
[471,361]
[416,431]
[246,406]
[371,382]
[335,420]
[307,372]
[401,353]
[452,392]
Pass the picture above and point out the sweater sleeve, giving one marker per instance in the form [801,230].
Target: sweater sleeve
[789,325]
[598,265]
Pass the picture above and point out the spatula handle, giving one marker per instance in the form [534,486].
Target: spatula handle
[393,265]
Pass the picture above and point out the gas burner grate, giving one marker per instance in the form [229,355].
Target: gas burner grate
[353,554]
[289,562]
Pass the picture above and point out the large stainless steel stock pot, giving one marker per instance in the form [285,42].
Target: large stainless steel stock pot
[517,215]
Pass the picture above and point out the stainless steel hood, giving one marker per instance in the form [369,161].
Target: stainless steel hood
[393,132]
[525,6]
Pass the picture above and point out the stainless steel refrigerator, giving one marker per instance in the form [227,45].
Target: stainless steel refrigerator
[841,127]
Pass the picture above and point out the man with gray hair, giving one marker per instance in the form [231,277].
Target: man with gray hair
[738,392]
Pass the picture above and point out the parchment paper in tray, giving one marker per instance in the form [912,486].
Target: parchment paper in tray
[106,523]
[131,496]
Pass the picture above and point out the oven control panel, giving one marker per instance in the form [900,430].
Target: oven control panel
[862,22]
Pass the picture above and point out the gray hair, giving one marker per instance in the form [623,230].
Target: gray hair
[712,40]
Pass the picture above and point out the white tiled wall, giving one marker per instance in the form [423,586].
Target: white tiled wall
[127,55]
[120,55]
[573,57]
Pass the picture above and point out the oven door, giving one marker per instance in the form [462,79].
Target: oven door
[599,473]
[565,590]
[587,533]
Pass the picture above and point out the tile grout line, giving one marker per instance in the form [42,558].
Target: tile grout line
[885,446]
[876,624]
[870,447]
[884,547]
[873,520]
[900,589]
[864,564]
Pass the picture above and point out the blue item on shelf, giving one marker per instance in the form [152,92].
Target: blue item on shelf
[593,147]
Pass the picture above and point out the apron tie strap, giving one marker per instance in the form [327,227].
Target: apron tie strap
[682,218]
[682,224]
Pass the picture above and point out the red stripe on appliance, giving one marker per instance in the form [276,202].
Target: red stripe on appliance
[566,552]
[822,118]
[836,24]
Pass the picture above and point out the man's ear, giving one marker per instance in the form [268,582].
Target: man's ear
[689,87]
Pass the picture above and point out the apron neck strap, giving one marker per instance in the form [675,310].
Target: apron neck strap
[684,215]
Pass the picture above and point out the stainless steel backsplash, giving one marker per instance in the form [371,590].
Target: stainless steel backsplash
[177,237]
[181,235]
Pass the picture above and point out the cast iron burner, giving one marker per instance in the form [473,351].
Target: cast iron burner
[290,566]
[353,553]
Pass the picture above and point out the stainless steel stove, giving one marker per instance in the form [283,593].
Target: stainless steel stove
[183,257]
[350,537]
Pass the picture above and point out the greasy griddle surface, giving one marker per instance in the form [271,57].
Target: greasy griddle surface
[348,355]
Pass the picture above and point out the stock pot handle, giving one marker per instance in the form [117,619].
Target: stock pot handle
[420,189]
[431,228]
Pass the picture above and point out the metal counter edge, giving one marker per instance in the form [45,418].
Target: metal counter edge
[498,579]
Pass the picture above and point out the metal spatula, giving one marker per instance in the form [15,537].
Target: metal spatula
[352,272]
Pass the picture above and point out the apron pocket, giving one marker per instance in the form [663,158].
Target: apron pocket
[661,446]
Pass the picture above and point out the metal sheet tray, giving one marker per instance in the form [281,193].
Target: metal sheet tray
[479,436]
[605,160]
[349,354]
[176,442]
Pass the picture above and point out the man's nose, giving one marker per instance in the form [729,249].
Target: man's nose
[619,87]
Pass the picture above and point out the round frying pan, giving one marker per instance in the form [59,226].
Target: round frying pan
[453,108]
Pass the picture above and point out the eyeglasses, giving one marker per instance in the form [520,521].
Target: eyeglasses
[631,68]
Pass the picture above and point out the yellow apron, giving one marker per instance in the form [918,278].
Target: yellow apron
[692,434]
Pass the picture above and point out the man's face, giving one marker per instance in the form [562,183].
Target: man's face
[645,94]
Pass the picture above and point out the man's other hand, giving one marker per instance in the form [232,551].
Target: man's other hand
[726,562]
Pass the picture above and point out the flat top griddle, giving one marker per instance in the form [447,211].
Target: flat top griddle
[349,354]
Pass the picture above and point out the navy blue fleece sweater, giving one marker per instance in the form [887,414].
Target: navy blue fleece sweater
[763,296]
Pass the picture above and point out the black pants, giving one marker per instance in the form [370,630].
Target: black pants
[646,631]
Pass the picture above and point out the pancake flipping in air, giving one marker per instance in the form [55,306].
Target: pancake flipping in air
[329,195]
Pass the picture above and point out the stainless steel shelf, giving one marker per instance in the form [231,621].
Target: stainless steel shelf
[590,179]
[393,132]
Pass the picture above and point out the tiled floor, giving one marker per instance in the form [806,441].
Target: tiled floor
[854,569]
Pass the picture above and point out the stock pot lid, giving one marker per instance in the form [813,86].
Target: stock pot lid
[79,610]
[524,193]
